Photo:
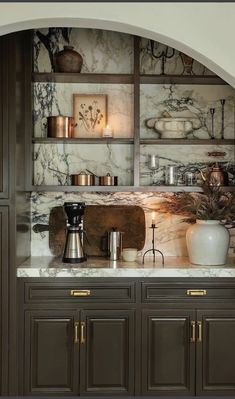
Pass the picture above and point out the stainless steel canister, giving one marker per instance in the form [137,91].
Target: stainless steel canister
[171,174]
[114,244]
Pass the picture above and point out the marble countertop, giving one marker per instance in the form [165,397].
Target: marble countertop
[40,266]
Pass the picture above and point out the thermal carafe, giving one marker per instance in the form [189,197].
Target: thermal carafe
[114,244]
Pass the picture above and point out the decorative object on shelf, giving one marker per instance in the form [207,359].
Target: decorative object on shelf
[190,179]
[173,127]
[164,55]
[216,154]
[215,176]
[208,238]
[89,112]
[222,102]
[153,165]
[171,175]
[84,178]
[153,249]
[108,180]
[107,131]
[212,112]
[187,64]
[68,60]
[60,126]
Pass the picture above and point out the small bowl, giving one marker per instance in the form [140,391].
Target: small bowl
[129,254]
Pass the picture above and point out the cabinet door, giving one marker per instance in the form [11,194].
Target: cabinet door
[4,118]
[107,352]
[216,353]
[168,355]
[51,354]
[4,300]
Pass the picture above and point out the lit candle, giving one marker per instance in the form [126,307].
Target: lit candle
[153,217]
[107,131]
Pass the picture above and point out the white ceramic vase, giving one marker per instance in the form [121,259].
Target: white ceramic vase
[207,242]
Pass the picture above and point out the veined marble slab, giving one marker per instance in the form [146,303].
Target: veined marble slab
[193,101]
[174,267]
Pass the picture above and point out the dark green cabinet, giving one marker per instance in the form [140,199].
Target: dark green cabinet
[70,352]
[216,353]
[108,352]
[4,99]
[168,355]
[51,355]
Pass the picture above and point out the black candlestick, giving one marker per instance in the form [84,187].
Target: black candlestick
[222,101]
[212,112]
[153,249]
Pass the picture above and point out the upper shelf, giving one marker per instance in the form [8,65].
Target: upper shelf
[126,78]
[50,140]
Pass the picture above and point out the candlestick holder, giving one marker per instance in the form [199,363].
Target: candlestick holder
[153,249]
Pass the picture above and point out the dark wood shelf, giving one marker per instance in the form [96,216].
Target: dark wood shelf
[50,140]
[83,78]
[126,78]
[175,189]
[182,79]
[188,141]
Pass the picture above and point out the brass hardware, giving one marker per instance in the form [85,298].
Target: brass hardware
[199,337]
[193,329]
[80,292]
[83,332]
[196,292]
[76,325]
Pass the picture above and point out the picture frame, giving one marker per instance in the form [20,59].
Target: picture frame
[90,115]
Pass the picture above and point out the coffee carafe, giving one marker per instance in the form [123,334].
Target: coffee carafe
[114,244]
[73,251]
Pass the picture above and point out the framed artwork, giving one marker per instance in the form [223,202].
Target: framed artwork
[90,114]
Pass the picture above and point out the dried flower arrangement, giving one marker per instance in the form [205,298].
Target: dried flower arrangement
[213,204]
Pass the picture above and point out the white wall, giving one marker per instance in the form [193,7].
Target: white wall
[205,31]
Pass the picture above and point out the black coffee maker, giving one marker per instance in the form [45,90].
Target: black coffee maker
[73,251]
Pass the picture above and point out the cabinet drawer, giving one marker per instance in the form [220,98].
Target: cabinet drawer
[79,292]
[189,291]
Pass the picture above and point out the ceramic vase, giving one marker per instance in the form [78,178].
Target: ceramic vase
[68,60]
[207,242]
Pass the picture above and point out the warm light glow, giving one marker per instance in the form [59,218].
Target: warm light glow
[153,217]
[107,127]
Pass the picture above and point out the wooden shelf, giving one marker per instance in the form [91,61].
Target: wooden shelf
[126,78]
[182,79]
[83,78]
[50,140]
[175,189]
[188,141]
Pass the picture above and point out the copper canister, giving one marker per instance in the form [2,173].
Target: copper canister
[60,126]
[108,180]
[82,179]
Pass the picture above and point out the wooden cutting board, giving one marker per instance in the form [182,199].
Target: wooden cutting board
[99,219]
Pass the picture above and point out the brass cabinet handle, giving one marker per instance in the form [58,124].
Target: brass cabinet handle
[199,337]
[76,325]
[196,292]
[193,331]
[80,292]
[83,332]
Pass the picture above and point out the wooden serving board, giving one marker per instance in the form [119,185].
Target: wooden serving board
[99,219]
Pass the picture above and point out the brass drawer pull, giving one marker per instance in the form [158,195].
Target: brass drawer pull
[199,337]
[76,325]
[196,292]
[83,332]
[193,331]
[80,292]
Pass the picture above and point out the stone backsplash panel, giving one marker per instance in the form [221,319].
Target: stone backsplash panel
[170,232]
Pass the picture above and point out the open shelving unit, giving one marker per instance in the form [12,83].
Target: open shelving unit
[135,79]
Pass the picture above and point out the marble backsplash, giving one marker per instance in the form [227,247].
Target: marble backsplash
[170,233]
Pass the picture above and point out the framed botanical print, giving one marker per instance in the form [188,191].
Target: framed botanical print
[89,111]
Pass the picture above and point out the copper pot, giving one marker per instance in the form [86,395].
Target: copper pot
[60,126]
[83,179]
[215,176]
[108,180]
